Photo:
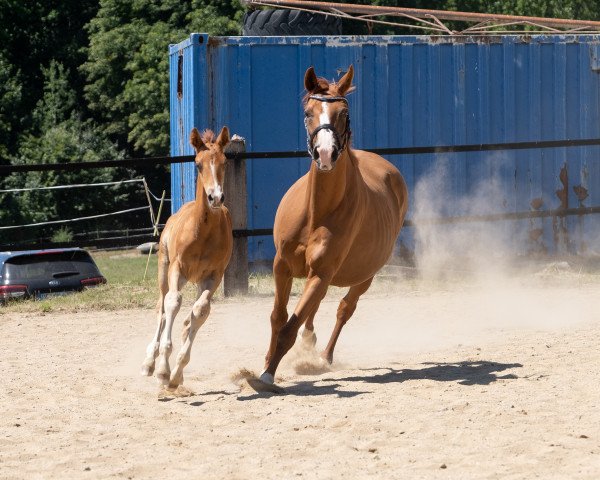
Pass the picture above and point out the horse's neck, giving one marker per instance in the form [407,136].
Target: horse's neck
[327,189]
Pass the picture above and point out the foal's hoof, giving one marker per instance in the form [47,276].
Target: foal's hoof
[263,387]
[163,374]
[147,369]
[175,381]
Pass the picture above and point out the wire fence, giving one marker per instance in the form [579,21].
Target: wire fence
[240,233]
[167,160]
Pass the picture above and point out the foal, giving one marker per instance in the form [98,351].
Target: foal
[195,246]
[337,225]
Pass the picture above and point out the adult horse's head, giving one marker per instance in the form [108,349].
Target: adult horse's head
[210,162]
[326,117]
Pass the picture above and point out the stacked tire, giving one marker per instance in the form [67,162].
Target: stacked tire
[280,22]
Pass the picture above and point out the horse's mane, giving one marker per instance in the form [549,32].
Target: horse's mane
[208,136]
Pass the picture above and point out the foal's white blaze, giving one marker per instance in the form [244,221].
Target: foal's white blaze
[217,191]
[325,140]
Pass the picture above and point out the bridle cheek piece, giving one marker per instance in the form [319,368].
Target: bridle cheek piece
[342,142]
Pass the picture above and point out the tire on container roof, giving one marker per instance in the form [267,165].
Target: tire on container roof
[268,23]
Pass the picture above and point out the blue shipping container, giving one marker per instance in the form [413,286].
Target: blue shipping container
[411,91]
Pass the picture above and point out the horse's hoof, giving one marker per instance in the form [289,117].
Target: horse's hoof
[309,339]
[263,387]
[326,359]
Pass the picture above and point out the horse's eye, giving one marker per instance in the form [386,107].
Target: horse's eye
[307,114]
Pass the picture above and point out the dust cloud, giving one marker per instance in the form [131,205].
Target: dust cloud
[479,250]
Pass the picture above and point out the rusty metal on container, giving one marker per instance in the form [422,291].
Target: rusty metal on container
[428,19]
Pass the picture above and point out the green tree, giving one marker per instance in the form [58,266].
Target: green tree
[127,66]
[10,95]
[32,34]
[58,135]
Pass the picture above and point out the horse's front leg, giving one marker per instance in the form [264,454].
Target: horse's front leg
[283,287]
[314,291]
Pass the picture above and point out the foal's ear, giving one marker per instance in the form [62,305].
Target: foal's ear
[345,83]
[223,138]
[310,80]
[196,141]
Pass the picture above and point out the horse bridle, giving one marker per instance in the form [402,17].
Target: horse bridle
[328,126]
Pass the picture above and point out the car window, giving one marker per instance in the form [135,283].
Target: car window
[49,265]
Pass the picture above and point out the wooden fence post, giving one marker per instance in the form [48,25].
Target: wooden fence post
[235,281]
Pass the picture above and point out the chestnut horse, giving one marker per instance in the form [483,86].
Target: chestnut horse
[337,225]
[195,246]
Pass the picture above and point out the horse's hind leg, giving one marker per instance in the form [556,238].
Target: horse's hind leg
[163,286]
[309,338]
[344,312]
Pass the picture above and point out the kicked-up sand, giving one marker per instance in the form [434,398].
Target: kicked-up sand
[452,381]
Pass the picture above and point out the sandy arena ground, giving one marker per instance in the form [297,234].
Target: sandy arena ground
[499,382]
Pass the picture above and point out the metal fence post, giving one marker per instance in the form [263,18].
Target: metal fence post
[235,281]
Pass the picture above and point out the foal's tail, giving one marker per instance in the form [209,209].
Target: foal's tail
[163,272]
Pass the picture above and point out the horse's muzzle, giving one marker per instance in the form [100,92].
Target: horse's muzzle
[327,161]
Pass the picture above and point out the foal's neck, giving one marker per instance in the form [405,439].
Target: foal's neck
[202,207]
[327,189]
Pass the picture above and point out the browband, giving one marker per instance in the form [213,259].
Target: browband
[323,98]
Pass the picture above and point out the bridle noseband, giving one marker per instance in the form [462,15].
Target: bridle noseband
[328,126]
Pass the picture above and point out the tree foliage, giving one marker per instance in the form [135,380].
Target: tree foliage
[59,135]
[127,66]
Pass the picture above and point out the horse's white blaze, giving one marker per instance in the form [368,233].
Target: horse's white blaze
[325,141]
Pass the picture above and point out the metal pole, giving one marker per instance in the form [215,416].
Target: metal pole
[162,201]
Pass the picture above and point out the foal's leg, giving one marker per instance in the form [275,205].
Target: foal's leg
[314,291]
[344,312]
[198,316]
[279,315]
[172,306]
[163,286]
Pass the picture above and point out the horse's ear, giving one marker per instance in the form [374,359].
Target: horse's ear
[196,140]
[310,80]
[223,138]
[345,83]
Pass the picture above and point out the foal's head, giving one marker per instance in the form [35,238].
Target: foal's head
[326,117]
[210,162]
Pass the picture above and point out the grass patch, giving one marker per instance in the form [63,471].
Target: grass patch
[127,288]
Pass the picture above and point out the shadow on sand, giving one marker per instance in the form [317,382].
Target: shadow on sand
[464,373]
